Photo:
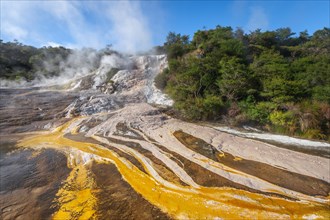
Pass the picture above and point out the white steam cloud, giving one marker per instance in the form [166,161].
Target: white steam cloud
[130,27]
[78,64]
[258,19]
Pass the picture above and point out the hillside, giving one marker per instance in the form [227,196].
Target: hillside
[278,80]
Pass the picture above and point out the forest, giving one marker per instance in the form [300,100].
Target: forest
[276,80]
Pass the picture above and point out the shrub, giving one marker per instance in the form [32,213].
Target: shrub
[286,120]
[258,112]
[212,107]
[161,79]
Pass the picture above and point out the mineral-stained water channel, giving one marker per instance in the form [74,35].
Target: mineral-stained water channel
[81,154]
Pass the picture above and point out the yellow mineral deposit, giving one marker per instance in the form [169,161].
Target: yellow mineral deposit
[221,154]
[237,159]
[76,198]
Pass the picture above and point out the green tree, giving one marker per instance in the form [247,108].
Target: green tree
[176,45]
[234,81]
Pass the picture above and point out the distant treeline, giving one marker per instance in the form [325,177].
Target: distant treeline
[277,79]
[22,62]
[18,61]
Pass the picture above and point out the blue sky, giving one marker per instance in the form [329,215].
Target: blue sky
[138,25]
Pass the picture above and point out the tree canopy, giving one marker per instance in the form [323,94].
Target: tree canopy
[277,79]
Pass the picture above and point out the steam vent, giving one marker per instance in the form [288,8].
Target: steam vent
[102,145]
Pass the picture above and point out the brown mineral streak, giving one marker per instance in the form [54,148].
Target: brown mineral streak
[184,199]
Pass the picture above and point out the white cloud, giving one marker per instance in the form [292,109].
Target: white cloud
[70,15]
[12,23]
[258,19]
[130,31]
[26,21]
[14,31]
[77,24]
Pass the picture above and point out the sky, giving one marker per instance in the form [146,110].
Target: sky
[132,26]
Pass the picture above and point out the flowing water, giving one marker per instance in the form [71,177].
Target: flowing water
[69,151]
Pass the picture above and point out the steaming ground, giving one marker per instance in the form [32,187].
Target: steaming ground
[114,154]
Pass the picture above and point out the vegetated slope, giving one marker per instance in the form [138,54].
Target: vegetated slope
[22,64]
[18,61]
[277,79]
